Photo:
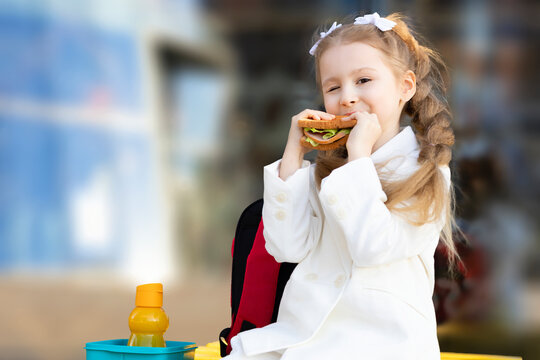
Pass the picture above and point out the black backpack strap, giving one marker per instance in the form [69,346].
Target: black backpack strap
[243,242]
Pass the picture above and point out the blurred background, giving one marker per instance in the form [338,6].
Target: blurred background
[134,132]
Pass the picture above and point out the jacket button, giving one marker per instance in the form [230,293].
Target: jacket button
[311,277]
[281,197]
[340,280]
[280,215]
[332,199]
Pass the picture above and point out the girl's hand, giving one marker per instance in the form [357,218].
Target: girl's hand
[363,135]
[296,133]
[294,151]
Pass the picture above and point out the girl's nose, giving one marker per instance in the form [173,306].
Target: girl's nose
[348,97]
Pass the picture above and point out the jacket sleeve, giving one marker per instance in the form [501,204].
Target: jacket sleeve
[290,228]
[353,196]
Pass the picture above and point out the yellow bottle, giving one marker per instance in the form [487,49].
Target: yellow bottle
[148,321]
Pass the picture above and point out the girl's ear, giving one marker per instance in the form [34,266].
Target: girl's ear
[408,86]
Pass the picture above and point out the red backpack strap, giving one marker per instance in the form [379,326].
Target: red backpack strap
[259,291]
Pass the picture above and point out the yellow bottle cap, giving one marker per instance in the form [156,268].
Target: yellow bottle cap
[149,295]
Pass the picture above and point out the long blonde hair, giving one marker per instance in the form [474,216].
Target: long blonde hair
[430,119]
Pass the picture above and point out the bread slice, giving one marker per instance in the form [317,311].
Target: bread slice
[325,147]
[335,123]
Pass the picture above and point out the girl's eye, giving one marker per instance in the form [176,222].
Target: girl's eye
[359,81]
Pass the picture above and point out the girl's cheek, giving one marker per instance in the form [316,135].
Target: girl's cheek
[329,100]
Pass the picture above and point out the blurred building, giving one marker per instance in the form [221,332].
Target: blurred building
[106,110]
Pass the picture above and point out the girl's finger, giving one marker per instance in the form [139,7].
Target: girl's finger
[323,115]
[315,114]
[350,117]
[312,115]
[326,116]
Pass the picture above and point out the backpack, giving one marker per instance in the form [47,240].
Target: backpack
[257,280]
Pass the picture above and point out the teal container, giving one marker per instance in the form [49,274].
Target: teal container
[118,350]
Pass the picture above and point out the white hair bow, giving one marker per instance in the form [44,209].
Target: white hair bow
[334,26]
[382,23]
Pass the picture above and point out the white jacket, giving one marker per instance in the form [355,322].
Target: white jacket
[364,282]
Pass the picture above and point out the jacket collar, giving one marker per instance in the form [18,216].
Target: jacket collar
[403,144]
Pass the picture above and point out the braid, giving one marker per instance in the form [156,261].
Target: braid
[430,111]
[431,115]
[428,107]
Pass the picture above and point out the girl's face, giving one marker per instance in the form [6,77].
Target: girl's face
[354,77]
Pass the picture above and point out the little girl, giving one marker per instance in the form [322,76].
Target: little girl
[364,221]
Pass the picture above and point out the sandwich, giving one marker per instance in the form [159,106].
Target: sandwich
[325,135]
